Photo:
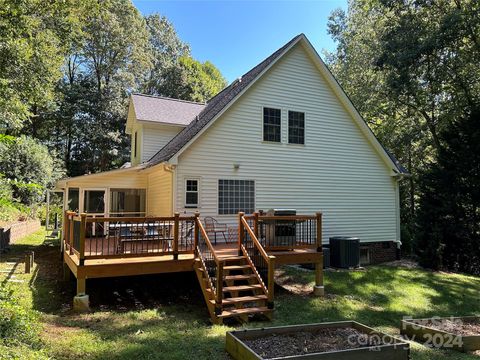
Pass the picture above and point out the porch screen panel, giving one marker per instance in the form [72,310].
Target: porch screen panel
[127,201]
[235,196]
[73,199]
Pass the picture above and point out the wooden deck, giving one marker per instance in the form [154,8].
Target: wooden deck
[141,247]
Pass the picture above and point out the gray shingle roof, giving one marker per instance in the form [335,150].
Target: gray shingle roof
[214,106]
[165,110]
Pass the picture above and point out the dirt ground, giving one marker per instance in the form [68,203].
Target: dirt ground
[301,343]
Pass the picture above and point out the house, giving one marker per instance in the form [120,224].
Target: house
[284,135]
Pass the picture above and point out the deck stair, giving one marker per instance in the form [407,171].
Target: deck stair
[243,295]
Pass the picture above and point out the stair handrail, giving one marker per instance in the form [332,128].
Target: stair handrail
[218,287]
[269,259]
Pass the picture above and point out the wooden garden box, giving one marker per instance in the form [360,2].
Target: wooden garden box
[420,331]
[394,349]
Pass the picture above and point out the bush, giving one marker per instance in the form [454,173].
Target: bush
[29,167]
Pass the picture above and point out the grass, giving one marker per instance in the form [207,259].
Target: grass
[164,317]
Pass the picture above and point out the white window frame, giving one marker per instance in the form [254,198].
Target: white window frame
[191,206]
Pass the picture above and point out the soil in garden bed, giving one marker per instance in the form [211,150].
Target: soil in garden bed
[302,342]
[456,326]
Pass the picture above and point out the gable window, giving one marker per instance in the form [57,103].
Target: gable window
[235,196]
[296,127]
[191,193]
[271,124]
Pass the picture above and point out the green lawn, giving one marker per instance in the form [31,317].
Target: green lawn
[163,317]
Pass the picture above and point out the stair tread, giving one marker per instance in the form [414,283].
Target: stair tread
[242,299]
[243,311]
[236,267]
[242,287]
[233,258]
[240,277]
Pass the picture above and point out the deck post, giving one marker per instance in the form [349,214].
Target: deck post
[319,289]
[65,231]
[81,301]
[271,281]
[70,232]
[255,223]
[219,288]
[83,228]
[176,231]
[196,234]
[241,232]
[318,215]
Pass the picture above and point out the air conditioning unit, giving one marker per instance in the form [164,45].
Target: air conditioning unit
[344,252]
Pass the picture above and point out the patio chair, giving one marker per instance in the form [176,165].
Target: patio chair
[212,226]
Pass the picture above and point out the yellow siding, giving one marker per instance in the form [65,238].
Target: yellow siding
[130,179]
[159,193]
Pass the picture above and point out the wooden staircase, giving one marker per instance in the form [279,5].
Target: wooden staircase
[243,293]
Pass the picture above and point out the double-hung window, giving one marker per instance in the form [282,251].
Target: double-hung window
[235,196]
[296,127]
[272,125]
[191,193]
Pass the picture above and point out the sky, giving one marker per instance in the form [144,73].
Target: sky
[237,35]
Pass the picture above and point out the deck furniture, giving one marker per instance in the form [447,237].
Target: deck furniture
[213,226]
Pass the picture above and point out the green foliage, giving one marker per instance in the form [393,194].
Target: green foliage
[411,69]
[17,323]
[28,166]
[175,73]
[34,37]
[193,80]
[449,211]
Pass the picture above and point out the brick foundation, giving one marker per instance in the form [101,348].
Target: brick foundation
[11,233]
[380,252]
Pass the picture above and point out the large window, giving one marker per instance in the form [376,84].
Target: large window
[127,202]
[271,125]
[191,193]
[73,199]
[235,196]
[296,127]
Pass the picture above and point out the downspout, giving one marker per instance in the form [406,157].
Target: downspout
[398,177]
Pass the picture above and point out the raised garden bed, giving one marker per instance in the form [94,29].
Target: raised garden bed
[345,340]
[458,333]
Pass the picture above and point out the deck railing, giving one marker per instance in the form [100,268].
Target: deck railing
[262,263]
[289,232]
[212,265]
[120,237]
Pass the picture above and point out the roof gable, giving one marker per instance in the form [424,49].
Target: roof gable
[164,110]
[222,101]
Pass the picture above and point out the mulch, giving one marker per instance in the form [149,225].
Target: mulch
[456,327]
[302,342]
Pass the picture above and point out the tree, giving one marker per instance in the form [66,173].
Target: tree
[193,80]
[106,61]
[28,166]
[34,37]
[410,68]
[166,49]
[175,73]
[449,212]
